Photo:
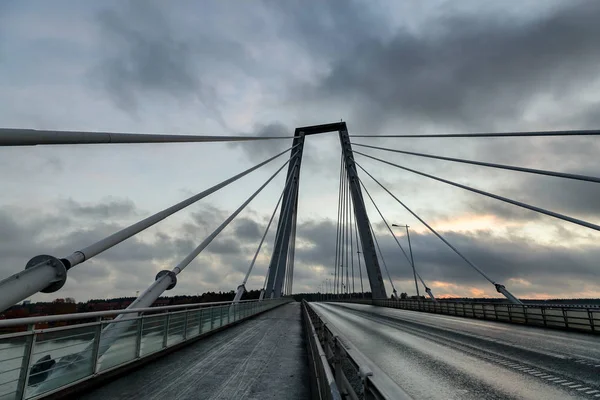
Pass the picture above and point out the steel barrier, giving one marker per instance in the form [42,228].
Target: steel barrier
[323,384]
[577,319]
[38,362]
[355,375]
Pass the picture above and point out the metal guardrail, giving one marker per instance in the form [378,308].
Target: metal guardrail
[581,319]
[38,362]
[355,375]
[323,384]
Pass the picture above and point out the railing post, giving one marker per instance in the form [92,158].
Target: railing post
[138,342]
[543,311]
[166,335]
[364,377]
[185,324]
[509,312]
[212,322]
[96,345]
[591,317]
[337,362]
[201,320]
[221,314]
[565,317]
[24,373]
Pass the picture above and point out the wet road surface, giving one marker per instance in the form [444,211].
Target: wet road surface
[435,356]
[262,358]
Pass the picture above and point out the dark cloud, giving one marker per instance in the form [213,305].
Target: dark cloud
[324,30]
[144,55]
[467,70]
[224,246]
[108,208]
[147,56]
[247,229]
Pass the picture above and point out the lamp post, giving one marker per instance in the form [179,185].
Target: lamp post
[412,260]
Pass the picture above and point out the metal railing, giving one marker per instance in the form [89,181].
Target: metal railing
[322,379]
[581,319]
[355,376]
[38,362]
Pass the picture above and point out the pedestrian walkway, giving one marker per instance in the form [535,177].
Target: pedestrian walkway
[262,358]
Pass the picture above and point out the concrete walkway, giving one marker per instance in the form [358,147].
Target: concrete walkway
[263,358]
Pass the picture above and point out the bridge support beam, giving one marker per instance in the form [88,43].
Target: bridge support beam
[279,258]
[362,219]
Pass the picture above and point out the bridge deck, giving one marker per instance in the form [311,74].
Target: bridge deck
[436,356]
[262,358]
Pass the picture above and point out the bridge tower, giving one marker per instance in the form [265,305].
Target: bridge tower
[288,214]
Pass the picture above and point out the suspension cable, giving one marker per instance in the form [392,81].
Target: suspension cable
[343,244]
[33,137]
[351,242]
[293,252]
[358,252]
[387,271]
[476,268]
[391,231]
[338,230]
[591,132]
[494,196]
[491,165]
[346,235]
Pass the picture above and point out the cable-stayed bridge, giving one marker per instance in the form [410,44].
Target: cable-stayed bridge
[352,340]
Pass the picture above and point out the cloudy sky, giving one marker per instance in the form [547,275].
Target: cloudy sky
[266,67]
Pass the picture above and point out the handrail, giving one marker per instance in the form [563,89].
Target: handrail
[580,319]
[325,380]
[95,314]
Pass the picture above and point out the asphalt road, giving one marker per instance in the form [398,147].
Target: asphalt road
[262,358]
[434,356]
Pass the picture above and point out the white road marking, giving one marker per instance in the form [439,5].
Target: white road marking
[583,388]
[574,386]
[592,392]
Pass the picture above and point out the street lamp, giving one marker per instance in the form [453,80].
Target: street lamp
[412,260]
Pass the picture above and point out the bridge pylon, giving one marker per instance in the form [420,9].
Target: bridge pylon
[279,258]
